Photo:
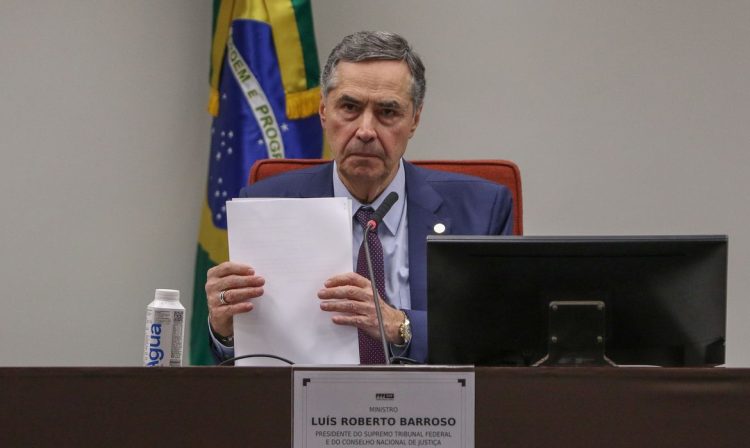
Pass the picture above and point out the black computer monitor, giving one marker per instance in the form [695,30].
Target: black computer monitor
[664,296]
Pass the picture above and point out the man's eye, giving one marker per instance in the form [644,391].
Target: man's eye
[349,107]
[388,113]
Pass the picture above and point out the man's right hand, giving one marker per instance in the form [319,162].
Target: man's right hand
[240,284]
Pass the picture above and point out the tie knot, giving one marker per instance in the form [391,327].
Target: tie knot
[363,215]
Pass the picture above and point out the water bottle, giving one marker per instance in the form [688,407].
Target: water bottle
[165,329]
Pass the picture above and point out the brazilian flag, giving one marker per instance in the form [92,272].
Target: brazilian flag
[264,99]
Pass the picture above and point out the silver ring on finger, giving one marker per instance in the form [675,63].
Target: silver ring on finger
[222,300]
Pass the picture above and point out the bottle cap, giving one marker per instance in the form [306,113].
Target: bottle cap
[171,295]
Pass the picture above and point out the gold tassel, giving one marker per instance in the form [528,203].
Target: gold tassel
[302,104]
[213,103]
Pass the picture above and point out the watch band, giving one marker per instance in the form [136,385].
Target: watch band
[404,330]
[227,341]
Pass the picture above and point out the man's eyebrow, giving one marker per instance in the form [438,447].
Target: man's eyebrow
[390,104]
[384,104]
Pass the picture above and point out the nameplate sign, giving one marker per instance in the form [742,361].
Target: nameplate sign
[383,406]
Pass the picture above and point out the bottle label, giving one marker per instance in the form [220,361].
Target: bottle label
[164,331]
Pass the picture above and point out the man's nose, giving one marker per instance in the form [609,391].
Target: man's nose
[366,129]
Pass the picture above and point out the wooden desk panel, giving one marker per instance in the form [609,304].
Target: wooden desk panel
[613,407]
[515,407]
[130,407]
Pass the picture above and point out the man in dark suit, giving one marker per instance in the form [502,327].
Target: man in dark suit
[372,93]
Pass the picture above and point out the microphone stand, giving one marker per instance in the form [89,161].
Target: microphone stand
[375,295]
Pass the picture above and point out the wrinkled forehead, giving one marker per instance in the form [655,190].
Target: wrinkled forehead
[373,77]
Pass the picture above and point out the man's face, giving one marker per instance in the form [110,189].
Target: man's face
[368,118]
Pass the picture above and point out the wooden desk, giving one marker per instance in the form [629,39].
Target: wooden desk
[515,407]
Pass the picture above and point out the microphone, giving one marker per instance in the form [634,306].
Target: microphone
[385,207]
[372,224]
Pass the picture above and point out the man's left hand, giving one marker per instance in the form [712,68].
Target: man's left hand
[351,295]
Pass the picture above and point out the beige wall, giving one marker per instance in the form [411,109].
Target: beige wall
[625,117]
[103,140]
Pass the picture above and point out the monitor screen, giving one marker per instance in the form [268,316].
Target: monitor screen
[664,296]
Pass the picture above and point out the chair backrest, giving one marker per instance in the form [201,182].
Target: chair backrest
[503,172]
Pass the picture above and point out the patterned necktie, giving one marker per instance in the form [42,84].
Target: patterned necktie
[371,349]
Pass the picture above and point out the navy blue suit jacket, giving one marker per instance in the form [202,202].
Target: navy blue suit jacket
[465,205]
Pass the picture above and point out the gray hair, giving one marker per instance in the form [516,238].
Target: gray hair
[376,45]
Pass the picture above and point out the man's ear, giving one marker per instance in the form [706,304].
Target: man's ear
[415,121]
[322,112]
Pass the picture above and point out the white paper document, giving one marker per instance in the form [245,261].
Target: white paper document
[295,245]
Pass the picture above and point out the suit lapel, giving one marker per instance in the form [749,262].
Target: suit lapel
[424,212]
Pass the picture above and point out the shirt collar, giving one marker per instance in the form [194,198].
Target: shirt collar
[393,219]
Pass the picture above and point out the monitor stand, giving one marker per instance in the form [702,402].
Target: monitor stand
[576,335]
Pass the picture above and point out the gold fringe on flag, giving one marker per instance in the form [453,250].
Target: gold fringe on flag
[302,104]
[213,102]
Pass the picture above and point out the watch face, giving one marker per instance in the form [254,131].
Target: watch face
[406,330]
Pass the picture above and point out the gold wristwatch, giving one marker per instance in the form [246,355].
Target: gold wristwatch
[404,330]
